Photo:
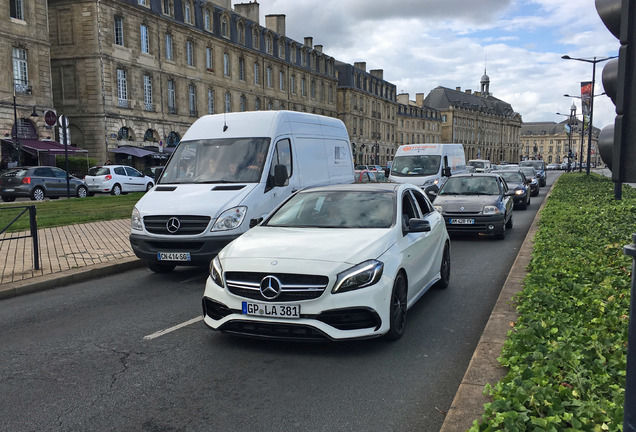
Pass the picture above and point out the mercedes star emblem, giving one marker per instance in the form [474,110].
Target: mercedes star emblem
[270,287]
[173,225]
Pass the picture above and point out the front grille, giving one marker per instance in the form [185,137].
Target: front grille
[294,287]
[274,330]
[189,225]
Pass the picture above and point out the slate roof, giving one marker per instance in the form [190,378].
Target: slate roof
[442,98]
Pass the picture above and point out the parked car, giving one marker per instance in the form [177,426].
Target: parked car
[362,167]
[531,174]
[553,166]
[517,181]
[476,203]
[539,167]
[376,168]
[116,180]
[365,176]
[39,182]
[374,251]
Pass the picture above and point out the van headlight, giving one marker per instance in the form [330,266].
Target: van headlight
[230,219]
[216,271]
[430,182]
[490,210]
[364,274]
[135,221]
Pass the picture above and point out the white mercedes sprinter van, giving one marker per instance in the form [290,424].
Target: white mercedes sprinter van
[231,168]
[427,165]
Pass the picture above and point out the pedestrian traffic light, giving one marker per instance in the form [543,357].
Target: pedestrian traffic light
[617,143]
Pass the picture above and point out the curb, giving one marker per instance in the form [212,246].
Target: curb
[79,274]
[484,368]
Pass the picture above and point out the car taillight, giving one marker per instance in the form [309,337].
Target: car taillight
[26,180]
[108,177]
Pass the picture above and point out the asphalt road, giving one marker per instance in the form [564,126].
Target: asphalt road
[129,352]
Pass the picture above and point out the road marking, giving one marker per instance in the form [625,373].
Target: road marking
[171,329]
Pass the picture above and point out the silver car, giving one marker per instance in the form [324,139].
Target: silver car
[116,180]
[39,182]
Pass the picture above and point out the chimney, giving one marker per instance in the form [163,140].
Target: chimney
[403,98]
[318,48]
[309,42]
[361,65]
[419,99]
[458,88]
[468,91]
[275,23]
[378,73]
[247,10]
[225,4]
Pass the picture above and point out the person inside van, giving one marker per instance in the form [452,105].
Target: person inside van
[254,167]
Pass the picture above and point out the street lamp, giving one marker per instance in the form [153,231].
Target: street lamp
[15,137]
[589,139]
[583,131]
[571,121]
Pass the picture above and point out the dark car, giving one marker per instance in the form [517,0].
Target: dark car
[517,181]
[531,174]
[476,203]
[539,167]
[39,182]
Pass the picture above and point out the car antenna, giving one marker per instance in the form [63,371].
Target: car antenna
[224,123]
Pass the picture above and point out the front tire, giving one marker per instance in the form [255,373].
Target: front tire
[161,268]
[37,194]
[149,186]
[82,192]
[397,313]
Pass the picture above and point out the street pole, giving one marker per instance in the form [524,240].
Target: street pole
[589,127]
[629,415]
[16,139]
[582,139]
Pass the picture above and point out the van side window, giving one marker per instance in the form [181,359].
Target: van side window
[281,156]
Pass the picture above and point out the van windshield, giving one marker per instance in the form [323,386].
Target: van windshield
[415,166]
[225,160]
[477,164]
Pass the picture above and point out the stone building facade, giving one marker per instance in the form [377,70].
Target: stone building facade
[25,75]
[416,122]
[139,72]
[367,104]
[487,127]
[550,142]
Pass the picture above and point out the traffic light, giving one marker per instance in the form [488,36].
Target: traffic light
[617,143]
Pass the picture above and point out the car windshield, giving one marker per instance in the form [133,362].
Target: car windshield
[336,209]
[98,171]
[528,171]
[416,165]
[538,165]
[226,160]
[470,186]
[476,164]
[511,177]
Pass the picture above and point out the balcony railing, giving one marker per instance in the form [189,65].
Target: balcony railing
[172,109]
[123,103]
[22,88]
[149,106]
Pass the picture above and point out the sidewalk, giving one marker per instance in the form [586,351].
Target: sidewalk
[67,254]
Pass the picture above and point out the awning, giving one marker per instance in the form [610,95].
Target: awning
[132,151]
[33,147]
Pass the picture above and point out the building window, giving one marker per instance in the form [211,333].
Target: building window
[256,78]
[243,103]
[303,57]
[292,53]
[192,99]
[209,59]
[293,84]
[148,93]
[228,102]
[167,7]
[268,44]
[122,88]
[225,31]
[210,101]
[17,9]
[257,104]
[187,12]
[169,55]
[281,80]
[143,2]
[20,70]
[145,39]
[255,42]
[172,106]
[269,76]
[119,31]
[190,53]
[313,89]
[207,20]
[242,69]
[240,28]
[281,48]
[226,64]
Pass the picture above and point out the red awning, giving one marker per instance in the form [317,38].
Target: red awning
[35,146]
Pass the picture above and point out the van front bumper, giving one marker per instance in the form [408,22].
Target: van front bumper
[201,250]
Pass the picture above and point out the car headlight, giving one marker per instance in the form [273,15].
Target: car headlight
[216,271]
[230,219]
[438,208]
[489,210]
[518,191]
[135,221]
[362,275]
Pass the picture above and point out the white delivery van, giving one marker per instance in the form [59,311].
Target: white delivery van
[480,165]
[427,165]
[231,168]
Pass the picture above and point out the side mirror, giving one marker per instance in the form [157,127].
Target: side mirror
[446,172]
[255,221]
[419,225]
[280,175]
[431,192]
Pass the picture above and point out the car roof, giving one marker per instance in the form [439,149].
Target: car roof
[361,187]
[476,175]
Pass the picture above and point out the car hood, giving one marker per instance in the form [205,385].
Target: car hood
[192,199]
[470,203]
[319,245]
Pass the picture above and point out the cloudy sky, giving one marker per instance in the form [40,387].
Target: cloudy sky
[422,44]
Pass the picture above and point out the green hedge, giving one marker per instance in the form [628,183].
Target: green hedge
[77,165]
[566,356]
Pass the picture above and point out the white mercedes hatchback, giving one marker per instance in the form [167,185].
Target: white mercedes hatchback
[335,262]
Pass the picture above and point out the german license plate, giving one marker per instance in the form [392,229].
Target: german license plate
[462,221]
[173,256]
[272,310]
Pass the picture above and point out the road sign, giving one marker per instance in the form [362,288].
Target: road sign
[63,121]
[50,118]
